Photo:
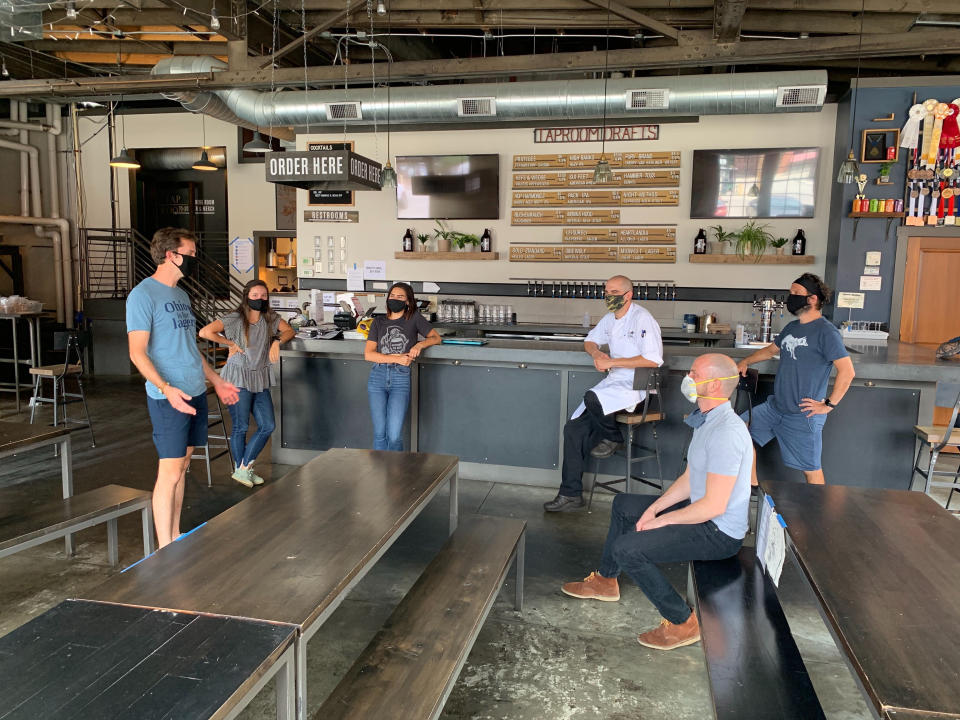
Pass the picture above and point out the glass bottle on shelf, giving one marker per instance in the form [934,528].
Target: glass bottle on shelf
[700,243]
[800,243]
[408,241]
[486,242]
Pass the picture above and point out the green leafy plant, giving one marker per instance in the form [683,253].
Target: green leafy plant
[753,240]
[779,242]
[423,238]
[723,237]
[461,240]
[885,169]
[443,232]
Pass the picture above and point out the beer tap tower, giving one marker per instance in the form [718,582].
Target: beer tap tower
[767,307]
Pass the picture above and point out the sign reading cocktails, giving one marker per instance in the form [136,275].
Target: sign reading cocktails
[323,170]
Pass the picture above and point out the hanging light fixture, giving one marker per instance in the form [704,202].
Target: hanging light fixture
[388,176]
[4,73]
[257,144]
[214,18]
[124,159]
[204,163]
[381,8]
[602,172]
[849,169]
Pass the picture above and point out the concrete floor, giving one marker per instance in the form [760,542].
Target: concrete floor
[559,659]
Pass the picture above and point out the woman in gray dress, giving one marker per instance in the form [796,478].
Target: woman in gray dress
[253,333]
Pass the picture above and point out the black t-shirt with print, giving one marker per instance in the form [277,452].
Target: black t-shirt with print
[396,337]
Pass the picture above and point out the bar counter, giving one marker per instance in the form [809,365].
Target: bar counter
[501,407]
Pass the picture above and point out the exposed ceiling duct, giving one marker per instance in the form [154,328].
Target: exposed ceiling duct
[178,158]
[691,95]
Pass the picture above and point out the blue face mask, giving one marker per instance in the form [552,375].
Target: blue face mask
[695,419]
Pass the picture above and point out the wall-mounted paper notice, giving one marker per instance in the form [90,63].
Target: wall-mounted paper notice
[871,270]
[431,287]
[374,270]
[869,282]
[355,278]
[873,257]
[850,300]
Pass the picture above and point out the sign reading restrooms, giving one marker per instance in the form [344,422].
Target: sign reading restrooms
[325,170]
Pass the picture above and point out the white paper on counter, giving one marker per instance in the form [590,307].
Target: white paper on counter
[354,278]
[870,282]
[850,300]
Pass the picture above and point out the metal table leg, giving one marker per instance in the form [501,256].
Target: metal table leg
[521,554]
[66,475]
[454,498]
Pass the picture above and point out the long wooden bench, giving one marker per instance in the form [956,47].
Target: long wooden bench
[411,665]
[60,518]
[753,663]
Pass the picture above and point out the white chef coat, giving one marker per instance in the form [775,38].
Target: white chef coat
[636,333]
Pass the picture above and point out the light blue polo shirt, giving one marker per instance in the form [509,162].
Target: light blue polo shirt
[722,445]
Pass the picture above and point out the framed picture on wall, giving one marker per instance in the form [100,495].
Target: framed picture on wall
[330,197]
[286,207]
[881,145]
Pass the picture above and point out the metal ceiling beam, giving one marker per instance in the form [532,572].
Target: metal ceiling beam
[727,18]
[191,14]
[700,55]
[639,18]
[311,33]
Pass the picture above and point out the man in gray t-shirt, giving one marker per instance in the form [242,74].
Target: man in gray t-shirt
[702,516]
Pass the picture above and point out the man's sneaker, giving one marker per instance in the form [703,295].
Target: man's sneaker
[257,480]
[562,503]
[605,448]
[594,587]
[669,636]
[242,476]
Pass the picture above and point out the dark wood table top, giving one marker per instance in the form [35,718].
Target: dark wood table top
[16,435]
[291,549]
[94,660]
[885,566]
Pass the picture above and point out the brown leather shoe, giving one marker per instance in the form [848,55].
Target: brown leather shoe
[669,636]
[594,587]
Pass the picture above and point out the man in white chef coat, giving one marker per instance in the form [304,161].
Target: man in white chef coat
[633,338]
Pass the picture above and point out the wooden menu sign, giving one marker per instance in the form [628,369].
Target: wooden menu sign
[560,198]
[623,178]
[577,161]
[639,235]
[565,217]
[592,254]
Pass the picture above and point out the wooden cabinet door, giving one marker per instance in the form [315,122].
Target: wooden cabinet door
[930,312]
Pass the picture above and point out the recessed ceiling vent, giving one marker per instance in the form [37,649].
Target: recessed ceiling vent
[477,106]
[801,96]
[653,99]
[344,111]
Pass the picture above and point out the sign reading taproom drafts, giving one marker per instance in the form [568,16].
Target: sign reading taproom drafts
[323,170]
[595,134]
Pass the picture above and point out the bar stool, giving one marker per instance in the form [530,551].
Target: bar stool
[649,412]
[72,345]
[938,439]
[212,451]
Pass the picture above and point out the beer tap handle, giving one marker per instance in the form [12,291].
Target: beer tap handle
[658,291]
[529,289]
[674,292]
[646,291]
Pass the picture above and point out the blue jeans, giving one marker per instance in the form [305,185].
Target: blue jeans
[637,553]
[389,390]
[261,405]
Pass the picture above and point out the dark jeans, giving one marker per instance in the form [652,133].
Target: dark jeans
[637,553]
[261,405]
[580,436]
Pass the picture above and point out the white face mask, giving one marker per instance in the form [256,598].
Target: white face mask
[688,387]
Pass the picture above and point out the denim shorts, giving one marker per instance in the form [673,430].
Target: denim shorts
[174,431]
[800,437]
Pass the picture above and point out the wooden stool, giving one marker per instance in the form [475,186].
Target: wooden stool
[71,344]
[938,439]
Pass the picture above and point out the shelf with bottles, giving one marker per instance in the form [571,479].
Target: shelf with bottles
[876,214]
[450,255]
[765,259]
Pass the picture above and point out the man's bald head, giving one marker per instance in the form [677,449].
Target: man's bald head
[620,283]
[715,365]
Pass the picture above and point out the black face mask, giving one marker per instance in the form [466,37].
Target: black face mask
[258,305]
[396,306]
[796,303]
[188,263]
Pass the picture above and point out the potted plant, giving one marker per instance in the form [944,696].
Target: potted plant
[753,240]
[723,240]
[464,242]
[424,239]
[885,169]
[779,243]
[444,235]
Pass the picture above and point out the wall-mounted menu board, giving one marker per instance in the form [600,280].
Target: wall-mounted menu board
[559,198]
[592,253]
[665,159]
[565,217]
[634,235]
[622,178]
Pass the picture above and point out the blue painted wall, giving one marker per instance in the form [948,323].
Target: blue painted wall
[846,255]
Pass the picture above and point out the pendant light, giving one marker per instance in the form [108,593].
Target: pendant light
[388,176]
[124,159]
[257,144]
[602,173]
[849,169]
[204,164]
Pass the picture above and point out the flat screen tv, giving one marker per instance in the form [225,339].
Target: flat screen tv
[448,186]
[754,183]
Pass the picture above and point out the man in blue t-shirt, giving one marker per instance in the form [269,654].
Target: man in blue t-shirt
[702,516]
[810,348]
[162,335]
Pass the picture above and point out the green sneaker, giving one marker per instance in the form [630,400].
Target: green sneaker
[243,476]
[257,480]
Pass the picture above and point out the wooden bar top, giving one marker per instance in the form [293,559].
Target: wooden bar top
[287,552]
[94,660]
[16,435]
[884,565]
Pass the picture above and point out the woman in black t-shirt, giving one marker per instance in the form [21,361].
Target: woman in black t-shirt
[392,346]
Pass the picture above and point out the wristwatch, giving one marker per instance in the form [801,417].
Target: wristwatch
[826,401]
